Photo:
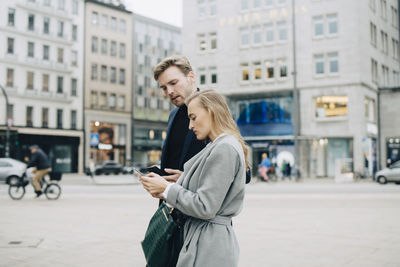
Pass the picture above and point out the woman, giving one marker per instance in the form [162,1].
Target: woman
[211,189]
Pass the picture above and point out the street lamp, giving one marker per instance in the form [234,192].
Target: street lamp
[7,147]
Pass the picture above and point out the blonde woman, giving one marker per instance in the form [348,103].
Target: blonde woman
[210,191]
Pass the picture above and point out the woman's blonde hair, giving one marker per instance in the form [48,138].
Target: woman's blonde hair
[221,117]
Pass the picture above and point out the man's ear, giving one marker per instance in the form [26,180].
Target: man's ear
[191,76]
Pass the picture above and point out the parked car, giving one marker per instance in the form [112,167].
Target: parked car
[129,169]
[11,170]
[390,174]
[108,167]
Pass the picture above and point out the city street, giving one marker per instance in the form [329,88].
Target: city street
[312,223]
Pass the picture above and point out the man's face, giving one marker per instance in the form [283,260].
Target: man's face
[176,85]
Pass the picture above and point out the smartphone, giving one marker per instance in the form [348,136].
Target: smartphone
[137,173]
[156,170]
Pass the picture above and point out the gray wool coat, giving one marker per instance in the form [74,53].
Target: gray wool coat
[211,191]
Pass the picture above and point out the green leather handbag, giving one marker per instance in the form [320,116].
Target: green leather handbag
[162,234]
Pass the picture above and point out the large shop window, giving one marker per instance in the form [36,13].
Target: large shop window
[331,106]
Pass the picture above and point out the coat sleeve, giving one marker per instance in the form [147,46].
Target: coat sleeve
[214,181]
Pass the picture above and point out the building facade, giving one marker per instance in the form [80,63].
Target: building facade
[245,50]
[107,82]
[41,71]
[153,41]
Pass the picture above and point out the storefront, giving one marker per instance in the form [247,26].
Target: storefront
[393,150]
[147,145]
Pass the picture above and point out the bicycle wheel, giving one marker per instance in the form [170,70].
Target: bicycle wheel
[52,191]
[16,192]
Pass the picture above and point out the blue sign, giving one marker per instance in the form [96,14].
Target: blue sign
[94,139]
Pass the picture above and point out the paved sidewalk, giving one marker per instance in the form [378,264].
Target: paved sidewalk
[81,179]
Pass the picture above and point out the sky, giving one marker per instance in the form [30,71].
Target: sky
[169,11]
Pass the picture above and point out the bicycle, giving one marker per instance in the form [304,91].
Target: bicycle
[51,189]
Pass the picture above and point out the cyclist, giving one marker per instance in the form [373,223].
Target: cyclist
[41,162]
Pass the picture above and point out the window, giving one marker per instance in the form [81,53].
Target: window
[10,45]
[113,51]
[46,52]
[93,99]
[374,70]
[45,82]
[47,2]
[282,68]
[318,23]
[202,42]
[383,6]
[214,79]
[395,46]
[60,28]
[282,31]
[385,75]
[31,22]
[113,75]
[45,117]
[372,5]
[269,3]
[94,72]
[74,87]
[269,33]
[213,41]
[46,25]
[256,3]
[61,4]
[29,116]
[370,109]
[330,106]
[384,42]
[95,18]
[73,119]
[103,100]
[60,55]
[122,76]
[373,33]
[244,37]
[112,100]
[122,25]
[11,17]
[59,118]
[257,35]
[122,50]
[281,2]
[396,78]
[104,21]
[269,69]
[29,80]
[333,59]
[213,8]
[319,64]
[60,84]
[104,73]
[10,111]
[245,72]
[104,46]
[94,44]
[203,76]
[10,78]
[121,102]
[75,7]
[113,24]
[395,17]
[74,32]
[31,49]
[332,24]
[257,71]
[74,58]
[245,4]
[201,8]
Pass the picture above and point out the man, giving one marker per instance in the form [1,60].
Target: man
[41,162]
[177,80]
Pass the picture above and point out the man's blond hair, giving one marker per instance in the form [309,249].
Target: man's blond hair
[178,61]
